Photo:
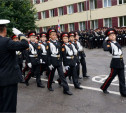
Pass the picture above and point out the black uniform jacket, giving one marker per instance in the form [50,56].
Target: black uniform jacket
[9,69]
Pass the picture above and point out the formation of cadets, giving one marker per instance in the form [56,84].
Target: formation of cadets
[49,53]
[65,53]
[94,38]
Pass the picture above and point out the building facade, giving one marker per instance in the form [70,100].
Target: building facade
[80,14]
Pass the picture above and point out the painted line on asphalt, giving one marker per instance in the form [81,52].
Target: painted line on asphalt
[87,87]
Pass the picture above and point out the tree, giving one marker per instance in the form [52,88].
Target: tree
[21,13]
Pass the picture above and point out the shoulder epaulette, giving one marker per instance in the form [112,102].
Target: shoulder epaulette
[48,41]
[63,45]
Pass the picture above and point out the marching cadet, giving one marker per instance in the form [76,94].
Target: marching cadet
[74,44]
[33,60]
[117,64]
[82,56]
[69,61]
[43,52]
[19,55]
[55,61]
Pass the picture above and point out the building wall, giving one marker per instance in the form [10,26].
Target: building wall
[98,14]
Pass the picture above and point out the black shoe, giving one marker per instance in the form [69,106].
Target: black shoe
[86,76]
[123,95]
[105,91]
[50,89]
[53,81]
[27,84]
[67,93]
[40,85]
[78,87]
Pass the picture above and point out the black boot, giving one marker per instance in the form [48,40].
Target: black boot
[50,89]
[40,85]
[105,91]
[67,93]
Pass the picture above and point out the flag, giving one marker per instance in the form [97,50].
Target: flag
[58,26]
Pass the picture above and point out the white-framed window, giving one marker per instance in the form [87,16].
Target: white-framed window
[107,22]
[34,1]
[81,7]
[44,29]
[60,10]
[107,3]
[38,30]
[94,24]
[52,13]
[93,4]
[62,28]
[43,14]
[121,1]
[36,16]
[82,26]
[122,21]
[42,1]
[71,27]
[70,9]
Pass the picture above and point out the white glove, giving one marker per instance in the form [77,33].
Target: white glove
[67,67]
[41,61]
[16,31]
[23,64]
[51,67]
[29,65]
[106,38]
[76,64]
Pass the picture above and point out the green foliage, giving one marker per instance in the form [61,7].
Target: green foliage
[20,13]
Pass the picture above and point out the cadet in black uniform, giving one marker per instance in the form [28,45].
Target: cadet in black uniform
[82,56]
[74,44]
[117,65]
[43,52]
[69,61]
[33,59]
[19,56]
[55,61]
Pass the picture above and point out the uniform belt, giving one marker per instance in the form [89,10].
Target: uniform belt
[117,56]
[70,57]
[55,55]
[33,55]
[44,54]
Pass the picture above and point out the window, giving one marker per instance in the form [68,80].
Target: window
[93,4]
[70,9]
[52,14]
[107,3]
[43,14]
[36,16]
[44,29]
[61,11]
[37,30]
[108,22]
[34,1]
[81,7]
[94,24]
[62,28]
[82,26]
[71,27]
[121,1]
[42,1]
[122,21]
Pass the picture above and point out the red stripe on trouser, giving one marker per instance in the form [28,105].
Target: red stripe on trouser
[108,79]
[27,75]
[49,80]
[65,74]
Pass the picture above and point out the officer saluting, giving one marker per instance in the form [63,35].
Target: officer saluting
[10,73]
[117,65]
